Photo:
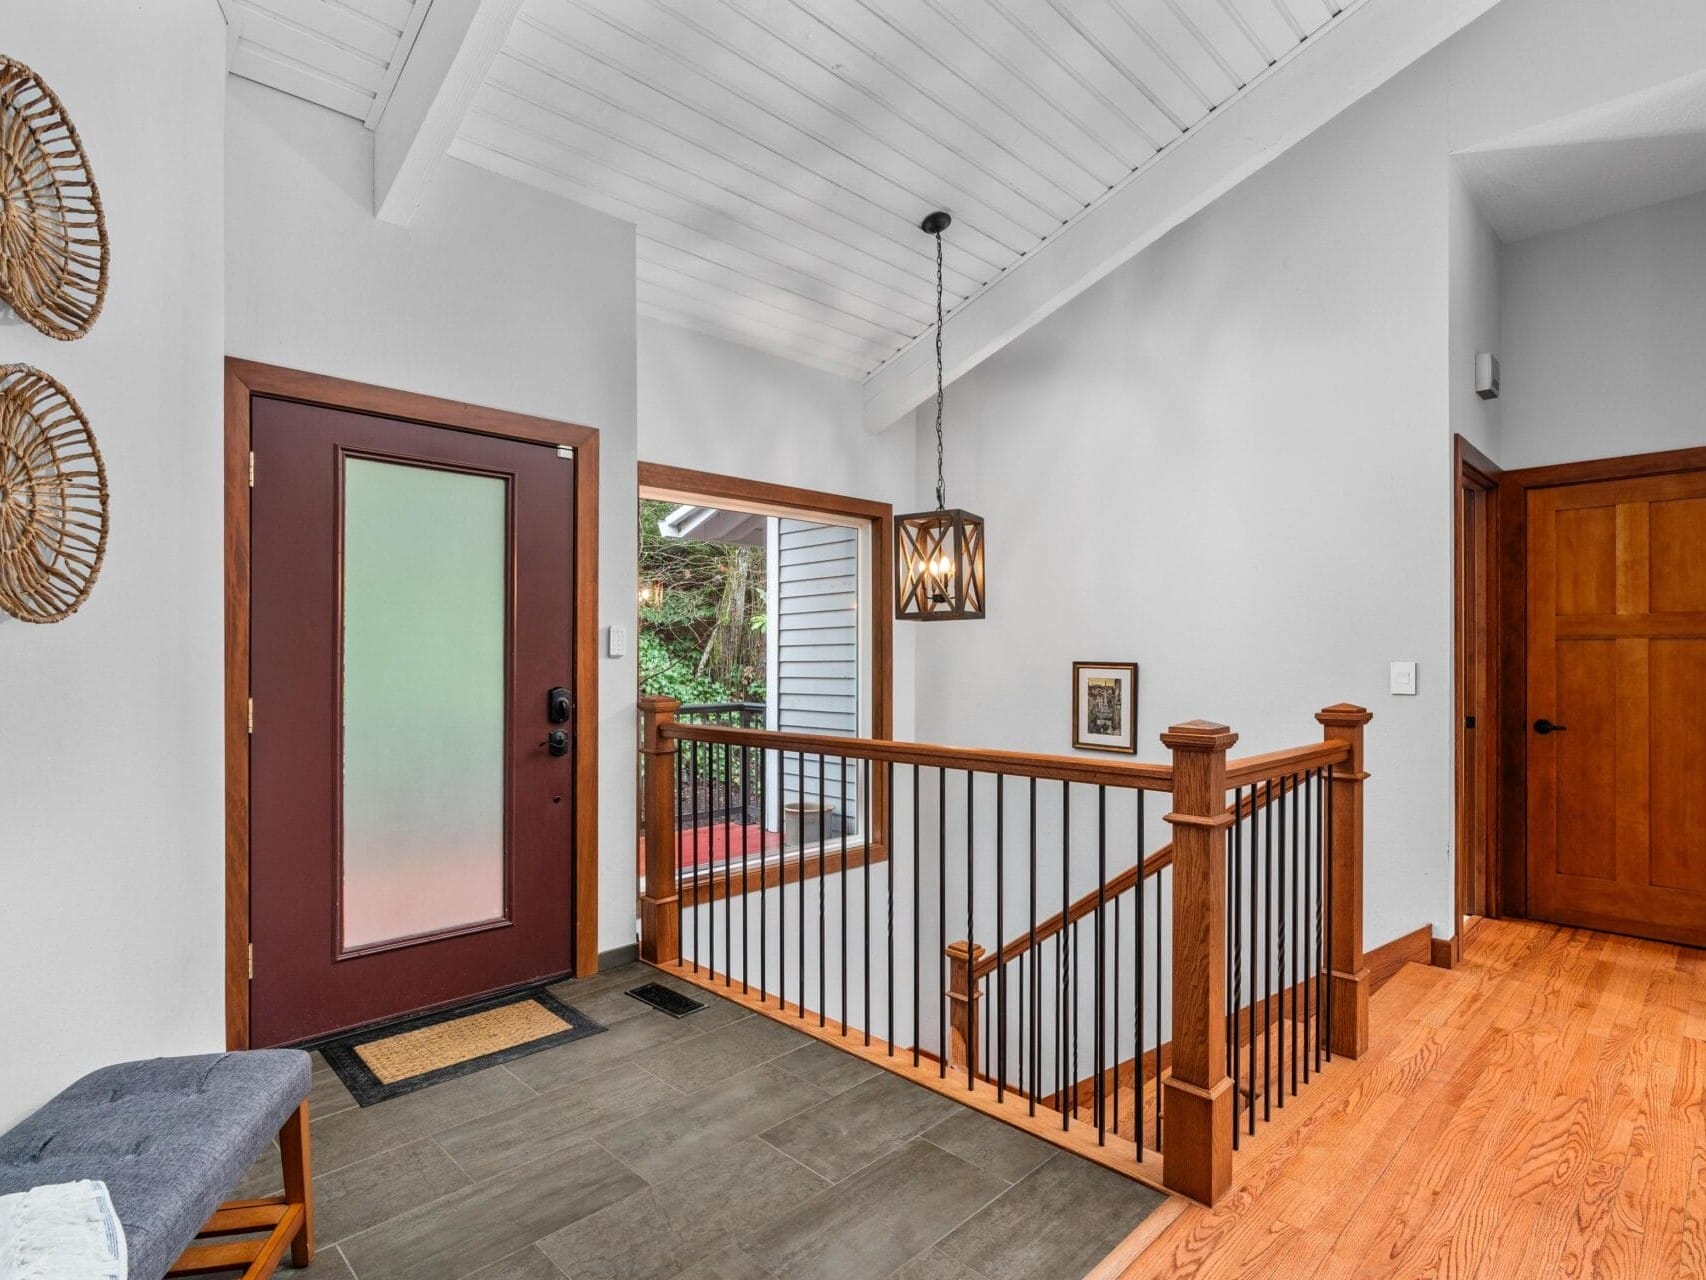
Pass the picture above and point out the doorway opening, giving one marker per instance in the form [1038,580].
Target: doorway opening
[1475,585]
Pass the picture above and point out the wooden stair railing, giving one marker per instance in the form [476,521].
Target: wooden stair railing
[1124,881]
[758,927]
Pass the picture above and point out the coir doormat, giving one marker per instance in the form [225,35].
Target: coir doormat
[401,1057]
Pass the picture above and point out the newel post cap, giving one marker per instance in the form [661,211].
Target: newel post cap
[1344,715]
[657,705]
[1199,735]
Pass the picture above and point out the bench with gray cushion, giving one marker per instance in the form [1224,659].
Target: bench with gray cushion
[171,1137]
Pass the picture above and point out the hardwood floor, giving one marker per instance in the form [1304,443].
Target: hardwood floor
[1538,1112]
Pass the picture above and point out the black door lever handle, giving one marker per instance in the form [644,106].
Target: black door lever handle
[1544,727]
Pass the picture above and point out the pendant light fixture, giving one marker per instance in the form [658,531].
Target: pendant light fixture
[938,565]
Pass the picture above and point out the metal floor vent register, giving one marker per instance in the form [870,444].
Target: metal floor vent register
[664,1000]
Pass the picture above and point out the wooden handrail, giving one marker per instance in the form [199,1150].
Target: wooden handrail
[1287,763]
[1126,880]
[1132,775]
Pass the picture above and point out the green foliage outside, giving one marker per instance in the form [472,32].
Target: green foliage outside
[704,640]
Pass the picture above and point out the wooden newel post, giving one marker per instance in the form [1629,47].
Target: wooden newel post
[963,996]
[1348,984]
[1197,1153]
[660,917]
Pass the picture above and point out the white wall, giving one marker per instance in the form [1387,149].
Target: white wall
[111,784]
[1178,465]
[496,294]
[1604,329]
[1475,262]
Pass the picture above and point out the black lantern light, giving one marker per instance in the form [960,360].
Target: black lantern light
[938,555]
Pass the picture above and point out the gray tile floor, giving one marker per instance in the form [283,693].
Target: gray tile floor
[724,1146]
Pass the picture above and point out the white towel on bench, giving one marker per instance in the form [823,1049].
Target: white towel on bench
[64,1231]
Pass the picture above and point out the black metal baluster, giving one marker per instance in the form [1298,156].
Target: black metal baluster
[1137,989]
[1158,1032]
[802,856]
[1098,932]
[867,825]
[1267,845]
[763,898]
[746,871]
[1066,988]
[1326,861]
[917,918]
[698,897]
[1267,996]
[728,871]
[1308,917]
[841,884]
[822,929]
[1236,995]
[1297,932]
[1036,974]
[942,921]
[971,937]
[1320,900]
[888,881]
[1114,1124]
[677,761]
[1077,994]
[1000,933]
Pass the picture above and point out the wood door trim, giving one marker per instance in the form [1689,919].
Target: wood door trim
[247,378]
[1511,614]
[1473,469]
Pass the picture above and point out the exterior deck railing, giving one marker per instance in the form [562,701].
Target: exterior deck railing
[1014,929]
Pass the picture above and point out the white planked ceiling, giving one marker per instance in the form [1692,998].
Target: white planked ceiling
[342,54]
[777,155]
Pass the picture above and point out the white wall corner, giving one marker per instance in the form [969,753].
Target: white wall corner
[454,50]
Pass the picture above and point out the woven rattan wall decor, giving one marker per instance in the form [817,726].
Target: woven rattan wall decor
[53,498]
[53,236]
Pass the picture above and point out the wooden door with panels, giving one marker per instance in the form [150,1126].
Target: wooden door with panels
[1616,703]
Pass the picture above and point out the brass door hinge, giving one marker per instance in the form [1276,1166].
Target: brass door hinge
[251,468]
[251,962]
[251,715]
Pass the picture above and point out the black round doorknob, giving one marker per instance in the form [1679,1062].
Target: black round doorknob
[1544,727]
[558,742]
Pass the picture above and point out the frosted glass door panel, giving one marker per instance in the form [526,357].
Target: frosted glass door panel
[423,701]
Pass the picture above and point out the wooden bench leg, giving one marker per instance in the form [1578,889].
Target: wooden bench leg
[293,1149]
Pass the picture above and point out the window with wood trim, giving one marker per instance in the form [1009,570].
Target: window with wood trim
[759,608]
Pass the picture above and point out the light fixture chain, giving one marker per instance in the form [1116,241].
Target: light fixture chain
[941,479]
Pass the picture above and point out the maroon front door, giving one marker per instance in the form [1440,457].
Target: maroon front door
[412,811]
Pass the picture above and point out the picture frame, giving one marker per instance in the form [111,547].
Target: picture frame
[1104,707]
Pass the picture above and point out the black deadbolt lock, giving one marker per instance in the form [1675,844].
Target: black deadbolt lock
[557,705]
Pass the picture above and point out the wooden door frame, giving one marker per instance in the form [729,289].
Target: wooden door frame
[689,485]
[245,379]
[1472,469]
[1511,824]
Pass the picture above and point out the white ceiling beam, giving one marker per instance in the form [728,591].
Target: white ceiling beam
[1366,47]
[446,67]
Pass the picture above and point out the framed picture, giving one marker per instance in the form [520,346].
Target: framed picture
[1104,706]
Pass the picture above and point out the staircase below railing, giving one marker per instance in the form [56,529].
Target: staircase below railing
[1005,927]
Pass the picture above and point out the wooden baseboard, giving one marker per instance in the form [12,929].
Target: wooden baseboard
[1385,961]
[1447,953]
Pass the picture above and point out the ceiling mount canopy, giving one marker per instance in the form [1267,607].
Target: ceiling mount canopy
[938,568]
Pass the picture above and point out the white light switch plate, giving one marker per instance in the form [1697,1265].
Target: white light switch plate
[618,642]
[1404,678]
